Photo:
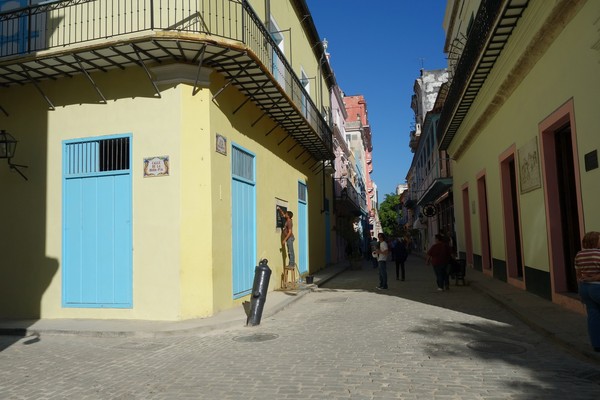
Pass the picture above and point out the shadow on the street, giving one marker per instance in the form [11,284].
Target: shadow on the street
[495,338]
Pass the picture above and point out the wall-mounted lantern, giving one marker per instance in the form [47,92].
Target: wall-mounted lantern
[8,146]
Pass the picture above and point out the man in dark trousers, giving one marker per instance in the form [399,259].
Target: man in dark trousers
[400,255]
[439,256]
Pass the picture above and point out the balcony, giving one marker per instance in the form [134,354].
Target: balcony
[348,200]
[61,39]
[491,30]
[436,182]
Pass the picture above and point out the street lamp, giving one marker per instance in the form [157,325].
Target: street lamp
[8,146]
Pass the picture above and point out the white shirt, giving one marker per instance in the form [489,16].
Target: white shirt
[383,249]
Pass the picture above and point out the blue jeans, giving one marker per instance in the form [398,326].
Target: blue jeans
[290,249]
[382,274]
[590,295]
[441,276]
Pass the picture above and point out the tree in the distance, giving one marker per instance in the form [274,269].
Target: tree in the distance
[390,211]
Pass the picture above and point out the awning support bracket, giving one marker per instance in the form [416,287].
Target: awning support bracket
[87,75]
[201,59]
[272,129]
[231,80]
[141,63]
[38,88]
[250,96]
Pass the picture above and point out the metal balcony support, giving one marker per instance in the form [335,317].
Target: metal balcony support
[231,80]
[3,111]
[87,75]
[300,155]
[258,119]
[283,140]
[141,63]
[222,88]
[200,60]
[272,129]
[289,131]
[38,87]
[248,98]
[293,147]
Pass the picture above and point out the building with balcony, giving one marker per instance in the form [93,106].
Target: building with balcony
[159,139]
[520,122]
[358,134]
[429,178]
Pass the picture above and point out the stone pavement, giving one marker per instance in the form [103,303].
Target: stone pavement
[564,327]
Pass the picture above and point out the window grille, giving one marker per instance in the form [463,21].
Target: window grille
[302,192]
[97,156]
[242,164]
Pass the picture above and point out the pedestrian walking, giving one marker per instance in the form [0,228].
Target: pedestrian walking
[439,255]
[587,270]
[382,255]
[400,255]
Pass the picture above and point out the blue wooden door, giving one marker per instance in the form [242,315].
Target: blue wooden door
[302,222]
[14,34]
[243,221]
[97,234]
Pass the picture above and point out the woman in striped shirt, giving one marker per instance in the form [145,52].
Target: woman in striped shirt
[587,268]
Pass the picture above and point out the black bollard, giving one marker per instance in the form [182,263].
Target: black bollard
[262,274]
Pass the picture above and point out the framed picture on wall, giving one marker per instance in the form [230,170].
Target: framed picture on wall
[529,166]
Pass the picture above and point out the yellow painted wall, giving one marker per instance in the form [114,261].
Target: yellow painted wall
[278,172]
[198,239]
[553,80]
[155,125]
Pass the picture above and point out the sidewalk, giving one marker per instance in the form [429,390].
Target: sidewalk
[236,317]
[566,328]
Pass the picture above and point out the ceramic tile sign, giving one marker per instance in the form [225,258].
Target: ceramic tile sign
[221,144]
[156,166]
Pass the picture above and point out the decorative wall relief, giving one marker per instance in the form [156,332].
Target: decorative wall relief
[529,166]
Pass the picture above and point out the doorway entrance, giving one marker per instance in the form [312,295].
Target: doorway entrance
[563,196]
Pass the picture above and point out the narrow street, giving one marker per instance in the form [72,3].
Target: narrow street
[346,340]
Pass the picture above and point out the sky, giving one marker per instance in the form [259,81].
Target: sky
[377,48]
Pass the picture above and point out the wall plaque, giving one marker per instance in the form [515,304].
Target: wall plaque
[156,166]
[529,166]
[221,144]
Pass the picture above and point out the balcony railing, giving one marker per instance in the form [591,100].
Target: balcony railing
[491,29]
[437,179]
[344,190]
[71,25]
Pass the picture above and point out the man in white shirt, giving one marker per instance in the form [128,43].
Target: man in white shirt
[382,255]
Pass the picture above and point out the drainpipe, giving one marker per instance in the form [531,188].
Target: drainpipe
[268,15]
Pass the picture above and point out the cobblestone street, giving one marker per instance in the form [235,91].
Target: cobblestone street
[343,341]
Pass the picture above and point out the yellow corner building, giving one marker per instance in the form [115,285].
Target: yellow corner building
[148,149]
